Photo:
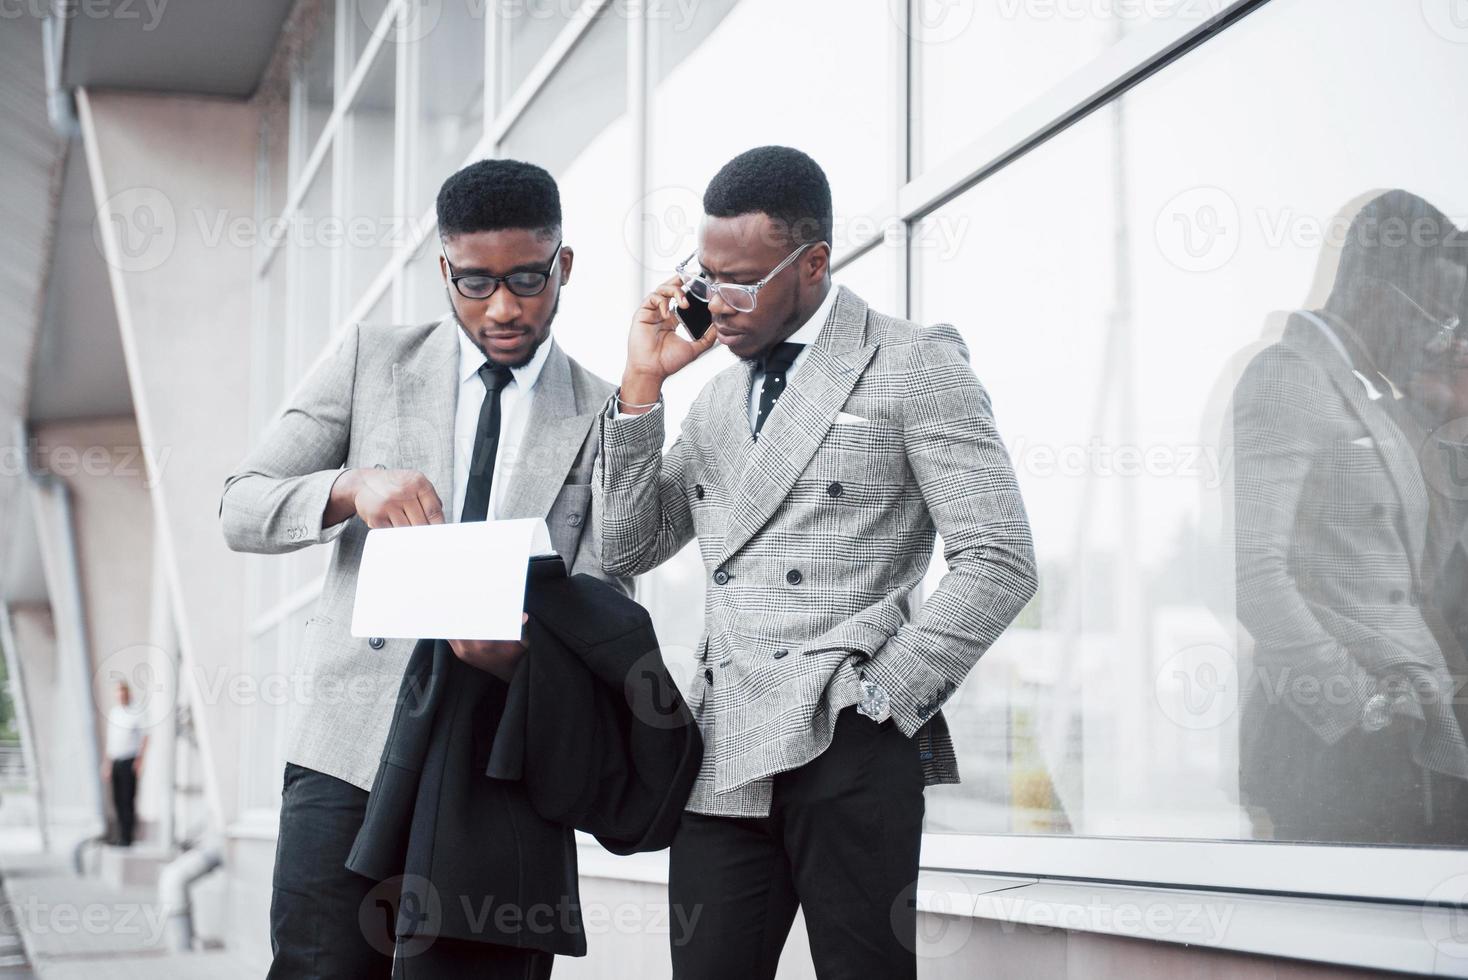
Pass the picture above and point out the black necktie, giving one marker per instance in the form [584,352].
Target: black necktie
[775,366]
[486,443]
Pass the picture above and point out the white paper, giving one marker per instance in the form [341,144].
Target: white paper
[446,581]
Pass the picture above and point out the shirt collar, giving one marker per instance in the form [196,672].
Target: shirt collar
[811,329]
[471,359]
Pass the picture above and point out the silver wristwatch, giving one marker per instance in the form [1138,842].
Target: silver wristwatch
[874,702]
[1376,713]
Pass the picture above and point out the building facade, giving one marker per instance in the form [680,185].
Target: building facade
[1118,202]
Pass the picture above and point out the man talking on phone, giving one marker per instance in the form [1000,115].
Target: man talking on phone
[814,474]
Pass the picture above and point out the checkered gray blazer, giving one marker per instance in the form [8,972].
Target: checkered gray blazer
[1331,535]
[813,537]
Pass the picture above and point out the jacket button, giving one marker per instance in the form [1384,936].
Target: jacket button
[781,653]
[698,490]
[1397,595]
[793,576]
[376,642]
[721,577]
[835,489]
[573,519]
[1378,510]
[708,675]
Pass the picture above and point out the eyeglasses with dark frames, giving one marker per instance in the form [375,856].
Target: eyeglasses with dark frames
[480,286]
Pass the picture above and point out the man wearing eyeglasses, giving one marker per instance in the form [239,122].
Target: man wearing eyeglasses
[477,416]
[813,474]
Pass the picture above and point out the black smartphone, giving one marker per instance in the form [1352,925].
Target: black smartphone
[697,318]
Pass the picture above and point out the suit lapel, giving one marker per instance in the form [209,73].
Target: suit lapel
[728,420]
[1402,467]
[800,419]
[554,434]
[426,393]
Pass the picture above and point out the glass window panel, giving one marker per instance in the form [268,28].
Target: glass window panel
[313,234]
[426,297]
[845,51]
[373,227]
[264,717]
[451,98]
[974,64]
[529,28]
[316,81]
[381,311]
[873,277]
[364,18]
[1239,544]
[577,128]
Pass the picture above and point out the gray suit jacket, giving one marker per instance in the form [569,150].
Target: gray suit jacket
[387,396]
[814,536]
[1331,516]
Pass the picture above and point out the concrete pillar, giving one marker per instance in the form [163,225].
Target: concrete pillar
[174,178]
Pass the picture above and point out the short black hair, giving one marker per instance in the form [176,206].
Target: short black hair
[779,181]
[493,195]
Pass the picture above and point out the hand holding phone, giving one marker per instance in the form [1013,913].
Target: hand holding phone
[654,348]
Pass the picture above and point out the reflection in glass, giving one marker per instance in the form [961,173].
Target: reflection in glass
[1123,288]
[1350,564]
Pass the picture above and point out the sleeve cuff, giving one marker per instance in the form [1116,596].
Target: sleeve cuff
[915,692]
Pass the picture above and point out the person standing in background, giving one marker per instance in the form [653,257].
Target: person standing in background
[126,743]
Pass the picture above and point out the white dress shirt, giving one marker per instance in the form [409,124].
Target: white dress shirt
[807,334]
[514,412]
[124,732]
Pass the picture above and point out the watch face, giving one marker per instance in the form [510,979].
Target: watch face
[1376,714]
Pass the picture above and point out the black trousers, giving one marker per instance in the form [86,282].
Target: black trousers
[124,797]
[842,842]
[329,923]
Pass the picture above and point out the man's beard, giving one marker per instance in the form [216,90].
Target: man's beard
[473,337]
